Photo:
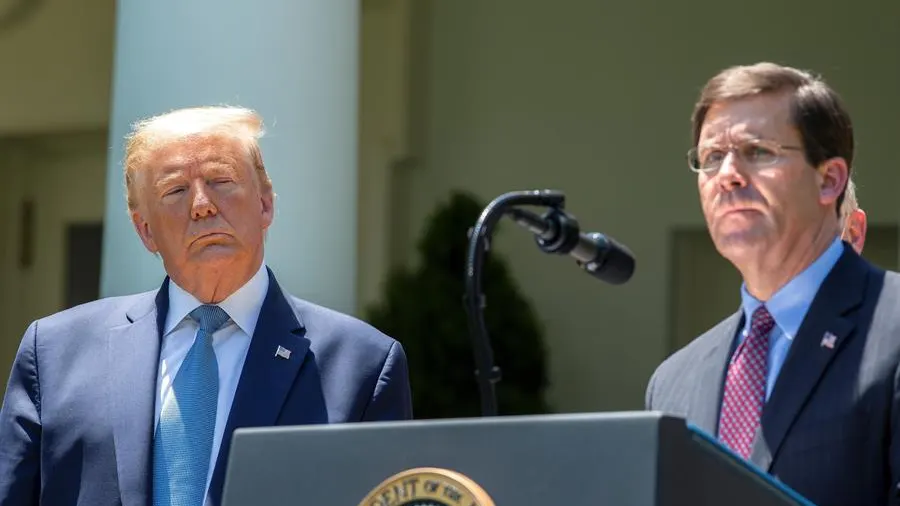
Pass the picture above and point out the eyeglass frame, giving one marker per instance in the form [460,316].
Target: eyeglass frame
[694,154]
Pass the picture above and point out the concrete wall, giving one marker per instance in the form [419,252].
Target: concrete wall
[56,67]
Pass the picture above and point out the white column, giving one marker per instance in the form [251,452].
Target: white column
[295,62]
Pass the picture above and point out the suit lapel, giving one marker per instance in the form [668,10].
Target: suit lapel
[808,358]
[133,358]
[266,378]
[704,409]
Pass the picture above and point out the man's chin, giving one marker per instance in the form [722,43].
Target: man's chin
[214,253]
[738,244]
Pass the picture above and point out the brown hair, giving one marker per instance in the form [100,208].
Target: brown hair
[817,111]
[151,133]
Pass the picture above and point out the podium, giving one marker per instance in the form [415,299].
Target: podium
[614,459]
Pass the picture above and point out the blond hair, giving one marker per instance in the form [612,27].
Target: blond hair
[150,134]
[850,203]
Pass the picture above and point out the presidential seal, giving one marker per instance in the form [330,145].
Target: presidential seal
[427,486]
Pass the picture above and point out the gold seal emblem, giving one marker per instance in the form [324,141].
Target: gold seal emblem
[427,486]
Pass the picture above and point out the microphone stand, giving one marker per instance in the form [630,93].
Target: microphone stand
[486,372]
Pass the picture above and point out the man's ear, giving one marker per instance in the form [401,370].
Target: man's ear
[144,231]
[833,176]
[855,230]
[267,206]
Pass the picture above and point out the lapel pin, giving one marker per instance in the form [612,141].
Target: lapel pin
[283,352]
[828,340]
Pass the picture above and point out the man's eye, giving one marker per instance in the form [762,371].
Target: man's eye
[759,154]
[713,157]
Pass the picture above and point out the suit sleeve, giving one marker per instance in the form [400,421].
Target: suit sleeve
[894,453]
[392,398]
[20,428]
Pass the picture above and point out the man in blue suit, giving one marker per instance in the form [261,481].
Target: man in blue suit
[132,400]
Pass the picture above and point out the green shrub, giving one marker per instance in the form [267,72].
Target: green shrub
[423,309]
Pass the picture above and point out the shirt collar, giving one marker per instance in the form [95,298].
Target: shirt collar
[788,306]
[242,306]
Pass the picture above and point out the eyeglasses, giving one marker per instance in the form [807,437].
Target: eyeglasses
[756,153]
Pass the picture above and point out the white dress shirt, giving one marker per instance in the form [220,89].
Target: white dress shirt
[230,343]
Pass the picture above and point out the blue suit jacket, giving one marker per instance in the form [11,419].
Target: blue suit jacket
[77,420]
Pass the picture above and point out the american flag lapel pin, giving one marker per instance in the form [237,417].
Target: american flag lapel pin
[828,340]
[283,352]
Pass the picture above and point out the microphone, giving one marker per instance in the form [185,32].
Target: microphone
[557,232]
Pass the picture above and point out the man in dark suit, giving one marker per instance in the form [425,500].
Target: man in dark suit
[132,400]
[803,380]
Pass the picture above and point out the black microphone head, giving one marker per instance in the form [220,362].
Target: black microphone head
[615,265]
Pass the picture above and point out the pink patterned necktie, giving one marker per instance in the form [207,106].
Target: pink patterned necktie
[745,386]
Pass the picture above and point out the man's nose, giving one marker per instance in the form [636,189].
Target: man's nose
[730,173]
[202,206]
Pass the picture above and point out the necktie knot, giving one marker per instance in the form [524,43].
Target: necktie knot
[211,318]
[761,323]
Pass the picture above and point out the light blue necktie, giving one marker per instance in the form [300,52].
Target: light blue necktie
[184,433]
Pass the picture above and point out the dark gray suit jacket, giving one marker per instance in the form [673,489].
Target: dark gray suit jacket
[831,428]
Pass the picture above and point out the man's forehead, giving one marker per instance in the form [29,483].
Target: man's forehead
[751,118]
[177,154]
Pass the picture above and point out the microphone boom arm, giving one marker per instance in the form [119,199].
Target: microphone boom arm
[486,372]
[556,232]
